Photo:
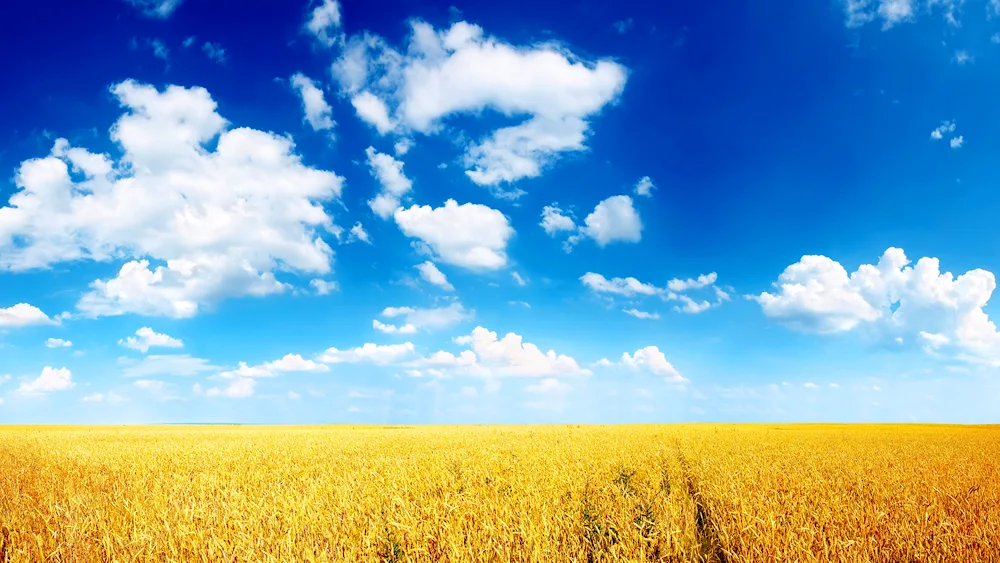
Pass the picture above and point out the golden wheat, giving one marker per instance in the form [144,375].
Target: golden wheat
[555,493]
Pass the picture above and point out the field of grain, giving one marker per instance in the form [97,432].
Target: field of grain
[548,493]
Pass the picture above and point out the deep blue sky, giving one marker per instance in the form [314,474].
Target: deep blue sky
[771,134]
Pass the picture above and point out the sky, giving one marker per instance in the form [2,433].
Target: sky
[224,211]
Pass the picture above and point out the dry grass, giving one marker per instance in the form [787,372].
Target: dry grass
[636,493]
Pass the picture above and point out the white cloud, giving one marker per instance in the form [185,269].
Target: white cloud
[318,113]
[215,52]
[21,315]
[631,287]
[810,385]
[834,386]
[619,286]
[240,388]
[470,235]
[324,22]
[196,225]
[460,70]
[652,359]
[403,146]
[554,221]
[703,280]
[389,173]
[641,314]
[511,356]
[945,127]
[323,287]
[890,300]
[447,359]
[288,364]
[957,142]
[295,362]
[373,111]
[430,273]
[358,232]
[816,294]
[169,364]
[393,329]
[189,41]
[891,12]
[57,343]
[156,8]
[429,319]
[613,220]
[146,338]
[111,397]
[644,187]
[690,305]
[963,57]
[51,379]
[368,353]
[934,340]
[518,279]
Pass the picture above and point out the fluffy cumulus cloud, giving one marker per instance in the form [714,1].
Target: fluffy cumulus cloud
[425,319]
[627,287]
[324,22]
[614,219]
[23,314]
[511,356]
[945,128]
[554,220]
[58,343]
[462,70]
[369,352]
[288,364]
[318,113]
[323,287]
[195,224]
[891,299]
[470,235]
[431,274]
[393,329]
[644,187]
[394,184]
[653,360]
[146,338]
[677,290]
[51,379]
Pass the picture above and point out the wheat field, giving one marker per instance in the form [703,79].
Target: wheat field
[707,493]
